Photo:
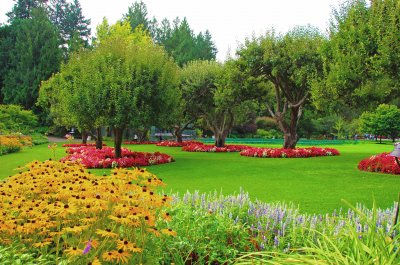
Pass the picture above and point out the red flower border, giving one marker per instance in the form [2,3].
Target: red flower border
[381,163]
[213,149]
[91,157]
[289,153]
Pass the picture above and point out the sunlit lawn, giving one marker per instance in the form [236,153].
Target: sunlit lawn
[315,184]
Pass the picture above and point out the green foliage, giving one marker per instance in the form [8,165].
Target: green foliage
[361,58]
[178,40]
[23,9]
[34,57]
[71,24]
[203,237]
[19,255]
[14,119]
[385,120]
[286,66]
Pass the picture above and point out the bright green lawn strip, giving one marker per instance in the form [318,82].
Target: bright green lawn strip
[315,184]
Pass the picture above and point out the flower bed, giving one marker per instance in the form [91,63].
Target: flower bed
[79,145]
[382,163]
[62,209]
[104,158]
[136,142]
[289,153]
[212,148]
[176,144]
[13,143]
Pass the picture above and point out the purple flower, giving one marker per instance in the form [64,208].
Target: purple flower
[88,247]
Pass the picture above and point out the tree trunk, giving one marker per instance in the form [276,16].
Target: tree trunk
[220,137]
[99,139]
[290,136]
[84,136]
[118,132]
[178,134]
[142,135]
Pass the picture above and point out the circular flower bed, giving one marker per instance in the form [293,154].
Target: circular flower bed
[382,163]
[212,148]
[289,153]
[105,158]
[136,142]
[176,144]
[61,208]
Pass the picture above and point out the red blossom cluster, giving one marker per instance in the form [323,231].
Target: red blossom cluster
[104,158]
[289,153]
[79,145]
[136,142]
[176,144]
[212,148]
[382,163]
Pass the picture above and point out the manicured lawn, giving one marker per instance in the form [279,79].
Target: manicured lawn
[317,185]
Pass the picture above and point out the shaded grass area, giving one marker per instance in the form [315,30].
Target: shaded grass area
[317,185]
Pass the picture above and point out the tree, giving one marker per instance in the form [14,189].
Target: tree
[124,81]
[178,40]
[361,68]
[287,65]
[6,45]
[23,9]
[14,119]
[211,93]
[72,25]
[34,57]
[385,120]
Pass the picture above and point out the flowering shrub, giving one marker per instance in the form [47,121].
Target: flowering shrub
[382,163]
[176,144]
[289,153]
[79,145]
[212,148]
[13,143]
[105,158]
[62,209]
[136,142]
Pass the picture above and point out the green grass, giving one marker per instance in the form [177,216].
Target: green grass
[317,185]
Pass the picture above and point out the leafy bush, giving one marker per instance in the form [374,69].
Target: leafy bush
[62,209]
[14,119]
[272,133]
[17,254]
[38,138]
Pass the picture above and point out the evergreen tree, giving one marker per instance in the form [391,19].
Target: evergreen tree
[23,9]
[71,23]
[35,55]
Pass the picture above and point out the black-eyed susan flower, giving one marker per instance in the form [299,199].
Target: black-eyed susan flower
[116,256]
[106,233]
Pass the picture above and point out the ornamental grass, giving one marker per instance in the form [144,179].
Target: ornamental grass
[64,210]
[105,157]
[381,163]
[289,153]
[13,143]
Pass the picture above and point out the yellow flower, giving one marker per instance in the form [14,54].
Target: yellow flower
[169,232]
[73,251]
[116,256]
[106,233]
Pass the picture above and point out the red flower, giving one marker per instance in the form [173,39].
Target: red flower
[211,148]
[382,163]
[289,153]
[105,158]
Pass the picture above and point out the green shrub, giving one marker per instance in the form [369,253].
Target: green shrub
[14,119]
[20,255]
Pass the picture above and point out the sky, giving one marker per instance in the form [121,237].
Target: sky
[229,21]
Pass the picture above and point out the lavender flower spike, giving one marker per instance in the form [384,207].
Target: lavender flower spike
[88,247]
